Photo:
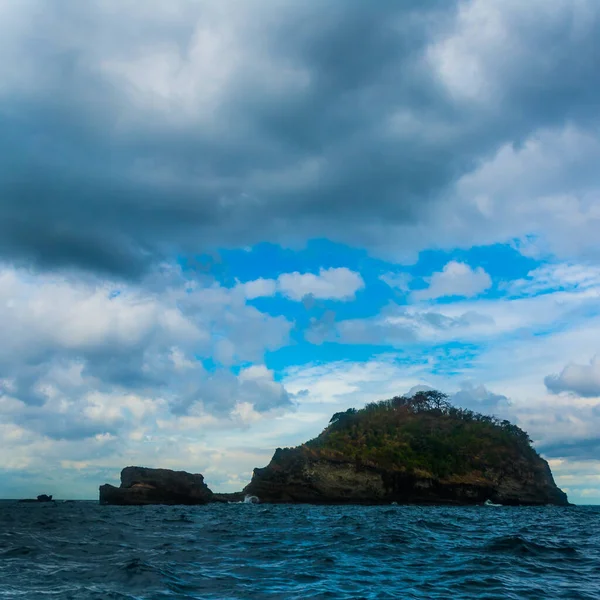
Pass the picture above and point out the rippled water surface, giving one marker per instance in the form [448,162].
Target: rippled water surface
[83,550]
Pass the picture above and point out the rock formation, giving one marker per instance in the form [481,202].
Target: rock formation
[140,485]
[40,498]
[298,475]
[410,450]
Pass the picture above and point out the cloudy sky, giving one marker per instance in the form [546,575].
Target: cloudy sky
[222,221]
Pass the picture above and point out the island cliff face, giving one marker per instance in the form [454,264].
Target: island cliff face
[410,450]
[140,485]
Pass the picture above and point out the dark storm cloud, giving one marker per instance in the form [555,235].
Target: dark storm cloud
[583,449]
[24,387]
[126,369]
[70,426]
[100,174]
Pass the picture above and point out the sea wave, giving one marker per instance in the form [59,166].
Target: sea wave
[85,551]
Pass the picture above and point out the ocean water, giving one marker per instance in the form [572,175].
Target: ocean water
[83,550]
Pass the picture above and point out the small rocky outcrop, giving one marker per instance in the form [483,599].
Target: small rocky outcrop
[141,485]
[40,498]
[418,450]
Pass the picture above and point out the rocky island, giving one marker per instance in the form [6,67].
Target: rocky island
[140,485]
[417,450]
[408,450]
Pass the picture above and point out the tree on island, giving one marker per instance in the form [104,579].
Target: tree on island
[423,432]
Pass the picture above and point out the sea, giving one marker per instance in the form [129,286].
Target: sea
[83,550]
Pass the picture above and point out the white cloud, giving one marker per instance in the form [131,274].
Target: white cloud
[581,380]
[398,281]
[259,288]
[455,279]
[580,478]
[48,311]
[550,277]
[329,284]
[467,320]
[63,337]
[353,383]
[335,284]
[478,398]
[555,201]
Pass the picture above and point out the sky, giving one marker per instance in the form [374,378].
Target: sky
[223,221]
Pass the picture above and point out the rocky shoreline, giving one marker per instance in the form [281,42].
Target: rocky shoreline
[310,482]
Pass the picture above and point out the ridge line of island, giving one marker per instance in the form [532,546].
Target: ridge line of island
[406,450]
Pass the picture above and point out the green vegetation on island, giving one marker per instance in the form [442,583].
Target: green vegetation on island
[417,449]
[423,434]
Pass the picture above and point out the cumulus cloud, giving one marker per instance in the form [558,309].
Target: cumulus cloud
[564,430]
[222,392]
[259,288]
[479,399]
[136,349]
[336,283]
[581,380]
[455,279]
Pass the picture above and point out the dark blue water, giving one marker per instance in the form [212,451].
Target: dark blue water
[84,550]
